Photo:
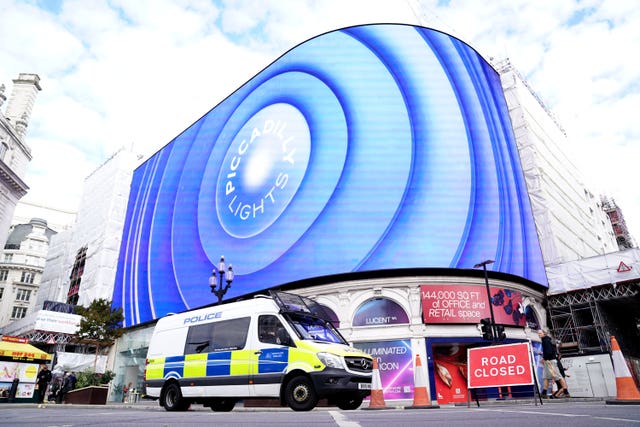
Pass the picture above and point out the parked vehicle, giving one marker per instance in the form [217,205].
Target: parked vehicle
[277,346]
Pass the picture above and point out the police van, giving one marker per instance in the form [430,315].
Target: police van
[278,346]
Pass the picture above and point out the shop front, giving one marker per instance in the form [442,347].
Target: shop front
[397,316]
[19,365]
[436,317]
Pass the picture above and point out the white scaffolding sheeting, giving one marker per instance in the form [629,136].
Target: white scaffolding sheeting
[599,270]
[570,222]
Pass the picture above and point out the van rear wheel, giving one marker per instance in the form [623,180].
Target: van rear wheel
[300,394]
[172,399]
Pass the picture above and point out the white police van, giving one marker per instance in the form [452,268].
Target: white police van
[278,346]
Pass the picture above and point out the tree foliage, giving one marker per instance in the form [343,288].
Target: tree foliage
[89,377]
[100,324]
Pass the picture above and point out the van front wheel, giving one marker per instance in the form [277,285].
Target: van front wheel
[300,394]
[172,399]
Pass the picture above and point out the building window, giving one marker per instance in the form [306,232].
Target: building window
[3,150]
[1,292]
[3,275]
[8,257]
[27,277]
[73,294]
[23,295]
[18,312]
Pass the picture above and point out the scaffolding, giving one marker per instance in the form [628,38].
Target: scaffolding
[44,337]
[623,237]
[577,318]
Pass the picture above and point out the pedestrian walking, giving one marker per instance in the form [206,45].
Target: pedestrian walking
[42,381]
[563,391]
[549,360]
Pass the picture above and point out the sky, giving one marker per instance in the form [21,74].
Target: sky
[136,73]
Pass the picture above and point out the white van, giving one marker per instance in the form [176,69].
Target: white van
[278,346]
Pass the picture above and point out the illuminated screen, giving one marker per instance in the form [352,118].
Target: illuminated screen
[372,147]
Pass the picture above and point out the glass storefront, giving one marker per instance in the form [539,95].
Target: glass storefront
[130,358]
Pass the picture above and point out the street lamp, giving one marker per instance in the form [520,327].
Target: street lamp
[483,264]
[490,330]
[225,276]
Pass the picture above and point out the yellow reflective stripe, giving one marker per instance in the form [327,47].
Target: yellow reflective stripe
[155,368]
[301,358]
[195,365]
[241,361]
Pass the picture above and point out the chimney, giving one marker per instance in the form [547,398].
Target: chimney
[23,96]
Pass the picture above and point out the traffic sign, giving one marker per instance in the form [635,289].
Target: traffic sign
[499,366]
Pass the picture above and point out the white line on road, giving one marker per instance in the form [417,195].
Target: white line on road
[555,414]
[558,414]
[618,419]
[342,421]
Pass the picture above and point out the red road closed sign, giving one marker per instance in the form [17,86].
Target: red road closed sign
[499,365]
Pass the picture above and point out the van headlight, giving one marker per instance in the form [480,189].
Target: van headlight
[331,360]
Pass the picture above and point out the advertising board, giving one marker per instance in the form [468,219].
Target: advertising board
[499,365]
[395,363]
[368,148]
[469,304]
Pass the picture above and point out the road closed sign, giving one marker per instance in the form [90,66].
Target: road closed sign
[499,365]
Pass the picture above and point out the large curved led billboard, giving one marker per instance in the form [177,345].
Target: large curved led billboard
[372,147]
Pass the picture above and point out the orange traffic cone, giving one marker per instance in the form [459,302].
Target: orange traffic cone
[377,396]
[420,395]
[627,392]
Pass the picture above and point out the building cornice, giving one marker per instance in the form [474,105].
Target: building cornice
[17,186]
[9,129]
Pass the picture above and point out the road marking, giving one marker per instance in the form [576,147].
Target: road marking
[536,413]
[618,419]
[342,421]
[555,414]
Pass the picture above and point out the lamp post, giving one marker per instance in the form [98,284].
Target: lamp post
[483,264]
[490,331]
[217,288]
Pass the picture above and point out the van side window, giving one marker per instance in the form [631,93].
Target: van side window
[218,336]
[271,331]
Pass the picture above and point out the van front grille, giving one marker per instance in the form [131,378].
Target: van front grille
[359,364]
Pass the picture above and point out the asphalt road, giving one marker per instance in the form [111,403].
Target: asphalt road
[564,414]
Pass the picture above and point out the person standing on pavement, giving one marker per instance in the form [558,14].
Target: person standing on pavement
[68,384]
[55,389]
[43,380]
[551,372]
[562,391]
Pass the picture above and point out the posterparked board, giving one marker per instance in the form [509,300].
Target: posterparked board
[499,366]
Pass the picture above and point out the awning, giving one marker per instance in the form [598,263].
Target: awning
[20,351]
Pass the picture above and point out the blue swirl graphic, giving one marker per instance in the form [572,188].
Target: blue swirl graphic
[372,147]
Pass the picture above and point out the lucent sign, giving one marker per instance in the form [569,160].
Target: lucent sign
[372,147]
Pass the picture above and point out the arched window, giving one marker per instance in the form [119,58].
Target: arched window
[532,318]
[380,312]
[332,315]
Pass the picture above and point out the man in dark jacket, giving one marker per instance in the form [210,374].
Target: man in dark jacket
[551,373]
[68,384]
[43,380]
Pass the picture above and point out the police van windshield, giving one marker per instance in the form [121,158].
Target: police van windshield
[311,328]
